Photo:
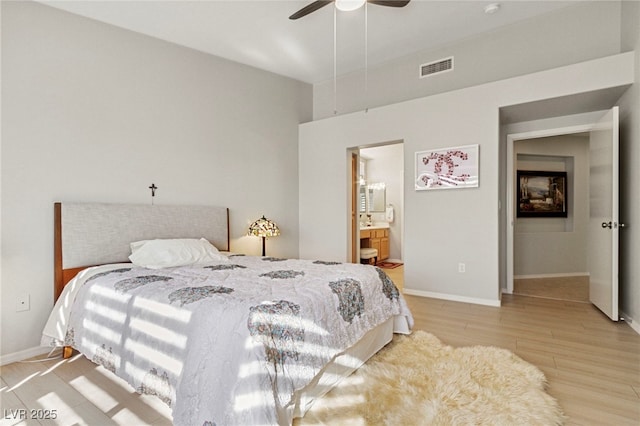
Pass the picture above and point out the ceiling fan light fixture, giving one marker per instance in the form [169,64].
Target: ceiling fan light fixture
[349,5]
[492,8]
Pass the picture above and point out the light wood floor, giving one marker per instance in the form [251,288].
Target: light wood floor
[396,275]
[591,363]
[575,288]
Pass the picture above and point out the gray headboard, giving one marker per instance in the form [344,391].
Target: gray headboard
[90,234]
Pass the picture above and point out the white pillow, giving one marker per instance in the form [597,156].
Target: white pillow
[156,254]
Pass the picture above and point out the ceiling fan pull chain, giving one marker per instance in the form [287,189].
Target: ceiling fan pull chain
[366,57]
[335,71]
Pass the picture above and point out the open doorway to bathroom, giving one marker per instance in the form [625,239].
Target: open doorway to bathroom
[377,207]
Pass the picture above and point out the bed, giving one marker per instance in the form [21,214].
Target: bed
[227,339]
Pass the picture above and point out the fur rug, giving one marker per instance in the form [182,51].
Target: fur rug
[417,380]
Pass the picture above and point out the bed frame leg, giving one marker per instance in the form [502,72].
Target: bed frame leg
[67,351]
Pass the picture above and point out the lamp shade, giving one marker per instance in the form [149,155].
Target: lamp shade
[264,227]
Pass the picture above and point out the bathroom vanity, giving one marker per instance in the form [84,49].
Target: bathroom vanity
[376,237]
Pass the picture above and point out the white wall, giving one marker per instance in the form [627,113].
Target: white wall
[92,112]
[577,33]
[554,245]
[630,173]
[442,228]
[386,164]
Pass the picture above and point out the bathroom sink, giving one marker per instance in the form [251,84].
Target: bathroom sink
[375,226]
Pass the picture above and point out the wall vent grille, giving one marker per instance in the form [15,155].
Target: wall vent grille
[437,67]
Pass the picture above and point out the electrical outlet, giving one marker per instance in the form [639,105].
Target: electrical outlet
[462,267]
[22,303]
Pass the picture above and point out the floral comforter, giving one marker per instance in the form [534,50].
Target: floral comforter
[223,343]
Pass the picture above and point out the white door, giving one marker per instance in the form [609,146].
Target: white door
[604,223]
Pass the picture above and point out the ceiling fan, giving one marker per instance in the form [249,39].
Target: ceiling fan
[345,5]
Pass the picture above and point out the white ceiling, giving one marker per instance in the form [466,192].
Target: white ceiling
[259,33]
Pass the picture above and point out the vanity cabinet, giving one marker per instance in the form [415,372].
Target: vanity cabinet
[377,239]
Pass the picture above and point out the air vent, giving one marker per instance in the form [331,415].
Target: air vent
[437,67]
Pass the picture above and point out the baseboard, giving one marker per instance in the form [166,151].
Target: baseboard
[630,321]
[560,275]
[452,297]
[22,355]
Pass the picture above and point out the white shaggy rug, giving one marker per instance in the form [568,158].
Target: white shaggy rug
[417,380]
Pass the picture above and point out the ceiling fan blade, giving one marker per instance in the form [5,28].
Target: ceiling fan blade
[390,3]
[312,7]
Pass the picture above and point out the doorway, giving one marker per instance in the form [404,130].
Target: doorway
[595,180]
[550,235]
[377,203]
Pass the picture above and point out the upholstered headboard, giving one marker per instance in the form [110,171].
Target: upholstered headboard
[88,234]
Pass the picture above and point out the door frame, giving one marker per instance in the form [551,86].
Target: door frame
[511,181]
[353,226]
[355,211]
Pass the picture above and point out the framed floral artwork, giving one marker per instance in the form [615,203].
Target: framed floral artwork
[447,168]
[542,194]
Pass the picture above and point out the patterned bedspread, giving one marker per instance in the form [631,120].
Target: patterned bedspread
[224,343]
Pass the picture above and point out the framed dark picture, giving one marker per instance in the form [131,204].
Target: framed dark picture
[542,194]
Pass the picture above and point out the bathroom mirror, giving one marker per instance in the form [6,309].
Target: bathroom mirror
[377,197]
